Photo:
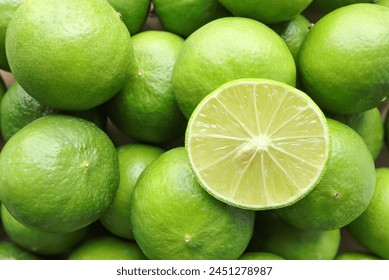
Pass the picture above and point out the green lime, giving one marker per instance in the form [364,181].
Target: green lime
[370,229]
[259,256]
[356,256]
[39,242]
[58,173]
[10,251]
[7,10]
[107,248]
[133,159]
[345,189]
[328,6]
[272,234]
[227,49]
[174,218]
[146,109]
[133,13]
[293,32]
[268,12]
[186,16]
[69,54]
[250,140]
[344,60]
[369,125]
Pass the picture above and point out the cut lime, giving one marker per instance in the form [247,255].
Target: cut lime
[257,143]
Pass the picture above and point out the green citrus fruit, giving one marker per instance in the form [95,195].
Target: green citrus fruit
[186,16]
[328,6]
[345,189]
[174,218]
[146,109]
[227,49]
[356,256]
[293,32]
[133,159]
[274,235]
[275,11]
[133,13]
[369,125]
[250,139]
[7,10]
[10,251]
[107,248]
[69,54]
[39,242]
[58,173]
[344,60]
[383,3]
[259,256]
[370,229]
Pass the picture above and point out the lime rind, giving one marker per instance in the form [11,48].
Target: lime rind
[258,144]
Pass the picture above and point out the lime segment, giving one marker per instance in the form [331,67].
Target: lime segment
[258,144]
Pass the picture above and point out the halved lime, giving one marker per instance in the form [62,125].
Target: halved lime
[258,144]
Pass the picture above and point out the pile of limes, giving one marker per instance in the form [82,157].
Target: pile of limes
[229,130]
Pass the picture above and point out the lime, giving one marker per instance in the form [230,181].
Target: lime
[369,229]
[58,173]
[259,256]
[383,3]
[69,54]
[345,189]
[258,144]
[174,218]
[369,126]
[133,13]
[107,248]
[39,242]
[293,32]
[185,16]
[266,11]
[227,49]
[146,109]
[133,159]
[344,60]
[272,234]
[356,256]
[328,6]
[7,10]
[10,251]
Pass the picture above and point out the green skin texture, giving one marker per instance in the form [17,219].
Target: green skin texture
[173,217]
[356,256]
[58,173]
[228,49]
[274,235]
[293,32]
[369,126]
[259,256]
[369,229]
[39,242]
[133,12]
[344,66]
[186,16]
[266,11]
[146,108]
[7,9]
[9,251]
[342,194]
[107,248]
[328,6]
[133,159]
[76,56]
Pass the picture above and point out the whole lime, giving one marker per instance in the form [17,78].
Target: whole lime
[58,173]
[344,60]
[173,217]
[69,54]
[227,49]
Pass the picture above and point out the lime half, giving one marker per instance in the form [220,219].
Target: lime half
[257,143]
